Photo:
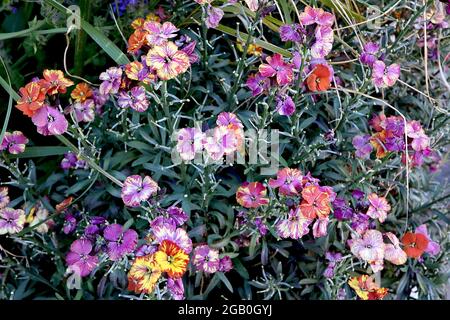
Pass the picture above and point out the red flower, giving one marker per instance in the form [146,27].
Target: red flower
[251,195]
[415,244]
[32,98]
[319,79]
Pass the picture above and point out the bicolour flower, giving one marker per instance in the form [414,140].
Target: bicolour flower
[135,99]
[176,288]
[363,146]
[433,247]
[316,16]
[278,68]
[4,197]
[392,251]
[288,180]
[79,258]
[370,248]
[369,54]
[176,235]
[111,80]
[285,105]
[14,142]
[360,222]
[39,217]
[82,92]
[229,120]
[324,42]
[319,79]
[295,226]
[167,60]
[258,83]
[55,82]
[316,203]
[171,259]
[292,32]
[136,190]
[31,99]
[177,215]
[138,71]
[144,274]
[379,207]
[158,34]
[415,244]
[366,288]
[49,121]
[189,143]
[120,242]
[11,220]
[137,40]
[252,195]
[213,16]
[206,259]
[378,141]
[382,76]
[84,111]
[320,227]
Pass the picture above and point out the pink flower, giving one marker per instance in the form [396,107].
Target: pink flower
[288,180]
[252,195]
[277,67]
[253,5]
[11,220]
[370,248]
[295,226]
[214,15]
[433,248]
[316,16]
[169,232]
[392,251]
[158,34]
[324,42]
[84,111]
[136,190]
[189,143]
[79,258]
[382,76]
[379,207]
[14,142]
[230,120]
[320,227]
[49,121]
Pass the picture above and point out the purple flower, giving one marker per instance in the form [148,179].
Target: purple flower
[11,220]
[257,83]
[49,121]
[111,81]
[136,190]
[285,105]
[189,49]
[214,15]
[382,76]
[433,247]
[145,250]
[262,228]
[341,210]
[358,194]
[368,56]
[14,142]
[292,32]
[360,222]
[176,288]
[120,242]
[79,258]
[324,42]
[395,143]
[4,198]
[225,264]
[70,224]
[177,215]
[84,111]
[206,259]
[71,161]
[136,99]
[99,100]
[362,146]
[333,258]
[158,34]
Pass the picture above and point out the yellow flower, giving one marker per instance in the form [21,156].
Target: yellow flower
[168,61]
[253,49]
[144,274]
[171,259]
[366,289]
[152,17]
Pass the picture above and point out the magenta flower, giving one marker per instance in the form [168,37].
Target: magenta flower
[362,146]
[379,207]
[206,259]
[136,190]
[49,121]
[14,142]
[79,258]
[169,232]
[214,15]
[382,76]
[369,54]
[225,264]
[177,215]
[292,32]
[285,105]
[84,111]
[70,224]
[111,81]
[316,16]
[136,99]
[11,220]
[277,67]
[257,83]
[120,242]
[295,226]
[159,34]
[433,247]
[288,180]
[4,198]
[189,143]
[176,288]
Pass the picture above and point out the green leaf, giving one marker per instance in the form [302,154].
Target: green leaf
[33,152]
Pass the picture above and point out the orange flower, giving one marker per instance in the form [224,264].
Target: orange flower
[54,82]
[32,98]
[319,79]
[366,289]
[136,41]
[143,275]
[171,259]
[377,141]
[64,204]
[415,244]
[81,92]
[315,203]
